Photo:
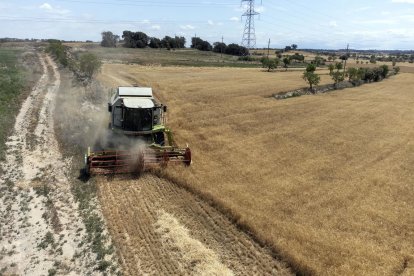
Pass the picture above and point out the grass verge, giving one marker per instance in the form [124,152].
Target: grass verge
[12,91]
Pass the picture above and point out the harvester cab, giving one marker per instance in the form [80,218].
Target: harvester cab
[139,138]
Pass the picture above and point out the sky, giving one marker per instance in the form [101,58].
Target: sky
[320,24]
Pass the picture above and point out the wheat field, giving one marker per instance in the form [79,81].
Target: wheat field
[326,180]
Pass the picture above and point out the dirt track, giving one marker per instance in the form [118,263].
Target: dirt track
[40,229]
[160,229]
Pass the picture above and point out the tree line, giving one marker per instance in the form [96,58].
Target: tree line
[142,40]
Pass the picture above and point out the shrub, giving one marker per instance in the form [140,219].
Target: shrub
[89,64]
[385,70]
[57,49]
[396,70]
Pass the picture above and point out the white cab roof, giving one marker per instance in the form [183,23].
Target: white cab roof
[138,102]
[135,91]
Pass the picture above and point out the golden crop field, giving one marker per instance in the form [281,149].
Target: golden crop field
[326,180]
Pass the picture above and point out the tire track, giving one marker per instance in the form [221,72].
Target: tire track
[161,229]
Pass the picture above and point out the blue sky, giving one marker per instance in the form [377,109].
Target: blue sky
[364,24]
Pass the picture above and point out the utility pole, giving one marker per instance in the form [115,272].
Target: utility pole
[347,53]
[249,34]
[268,49]
[221,46]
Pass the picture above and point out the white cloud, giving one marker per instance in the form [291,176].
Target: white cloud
[156,27]
[403,1]
[210,22]
[234,18]
[46,6]
[53,10]
[187,27]
[146,21]
[333,24]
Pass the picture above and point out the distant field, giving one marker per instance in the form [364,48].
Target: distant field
[163,57]
[326,180]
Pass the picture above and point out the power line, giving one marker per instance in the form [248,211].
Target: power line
[151,3]
[81,20]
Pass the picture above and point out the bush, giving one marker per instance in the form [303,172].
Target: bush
[246,58]
[385,70]
[57,49]
[397,70]
[89,64]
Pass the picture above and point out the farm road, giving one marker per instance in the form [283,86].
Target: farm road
[41,231]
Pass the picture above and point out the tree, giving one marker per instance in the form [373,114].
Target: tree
[297,57]
[319,60]
[286,62]
[394,62]
[135,39]
[353,74]
[294,46]
[288,48]
[155,43]
[236,50]
[109,39]
[384,70]
[219,47]
[270,64]
[337,75]
[199,44]
[310,68]
[331,67]
[311,78]
[89,64]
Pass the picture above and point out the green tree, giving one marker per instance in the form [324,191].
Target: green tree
[270,64]
[319,60]
[331,68]
[219,47]
[337,75]
[286,62]
[89,64]
[311,68]
[109,39]
[385,70]
[353,74]
[135,39]
[155,43]
[311,78]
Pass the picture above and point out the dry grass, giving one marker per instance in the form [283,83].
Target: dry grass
[327,180]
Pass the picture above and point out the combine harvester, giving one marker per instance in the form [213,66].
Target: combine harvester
[138,138]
